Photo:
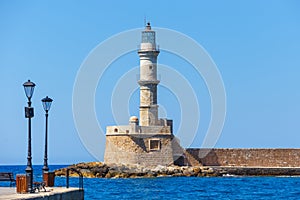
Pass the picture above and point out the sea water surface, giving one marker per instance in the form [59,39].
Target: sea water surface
[177,187]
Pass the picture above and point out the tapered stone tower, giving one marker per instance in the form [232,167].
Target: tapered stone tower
[147,141]
[148,78]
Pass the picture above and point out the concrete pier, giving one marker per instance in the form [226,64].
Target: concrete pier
[55,193]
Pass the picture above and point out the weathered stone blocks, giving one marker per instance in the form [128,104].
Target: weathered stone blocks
[135,149]
[247,157]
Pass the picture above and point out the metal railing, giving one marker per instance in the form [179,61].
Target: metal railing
[80,178]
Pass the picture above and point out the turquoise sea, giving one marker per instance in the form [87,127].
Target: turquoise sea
[178,187]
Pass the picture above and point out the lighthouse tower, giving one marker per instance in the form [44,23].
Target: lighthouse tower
[148,82]
[148,140]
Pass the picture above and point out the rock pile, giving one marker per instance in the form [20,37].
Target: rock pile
[102,170]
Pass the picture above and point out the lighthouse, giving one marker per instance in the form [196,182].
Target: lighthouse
[147,140]
[148,82]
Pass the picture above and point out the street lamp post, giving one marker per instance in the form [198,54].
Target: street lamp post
[46,104]
[29,113]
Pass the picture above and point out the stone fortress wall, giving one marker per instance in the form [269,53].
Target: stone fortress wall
[142,145]
[136,149]
[244,157]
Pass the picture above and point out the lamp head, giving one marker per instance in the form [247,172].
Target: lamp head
[47,103]
[29,88]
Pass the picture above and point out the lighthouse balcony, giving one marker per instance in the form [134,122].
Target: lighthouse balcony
[148,47]
[147,82]
[135,130]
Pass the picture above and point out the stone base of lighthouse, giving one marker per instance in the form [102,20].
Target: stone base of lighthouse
[143,145]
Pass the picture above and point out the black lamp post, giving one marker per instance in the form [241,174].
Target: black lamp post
[29,113]
[46,104]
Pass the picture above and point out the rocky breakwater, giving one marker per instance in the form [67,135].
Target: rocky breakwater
[102,170]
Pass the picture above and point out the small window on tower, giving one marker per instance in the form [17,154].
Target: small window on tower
[115,130]
[154,145]
[150,67]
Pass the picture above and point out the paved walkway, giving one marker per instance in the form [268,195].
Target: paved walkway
[10,193]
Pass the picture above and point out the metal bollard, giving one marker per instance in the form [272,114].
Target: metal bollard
[67,178]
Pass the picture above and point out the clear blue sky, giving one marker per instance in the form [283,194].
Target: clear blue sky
[255,44]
